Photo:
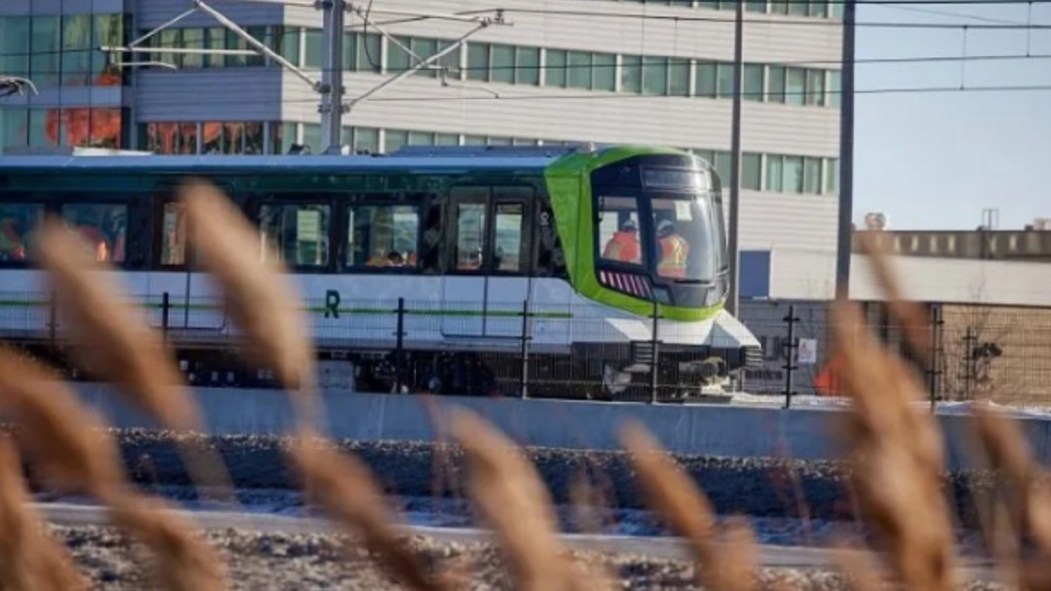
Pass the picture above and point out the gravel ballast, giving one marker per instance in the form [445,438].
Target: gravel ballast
[303,562]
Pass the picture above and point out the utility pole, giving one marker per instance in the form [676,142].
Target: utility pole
[733,293]
[331,89]
[846,155]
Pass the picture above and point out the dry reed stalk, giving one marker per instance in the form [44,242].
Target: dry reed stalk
[67,443]
[30,559]
[511,497]
[347,491]
[913,318]
[1028,501]
[183,560]
[110,337]
[261,299]
[64,438]
[896,456]
[112,342]
[689,513]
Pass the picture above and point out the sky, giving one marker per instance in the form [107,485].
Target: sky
[936,160]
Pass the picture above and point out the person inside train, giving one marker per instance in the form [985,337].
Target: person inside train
[394,259]
[674,249]
[624,245]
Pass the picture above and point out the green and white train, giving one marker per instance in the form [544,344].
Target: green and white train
[492,252]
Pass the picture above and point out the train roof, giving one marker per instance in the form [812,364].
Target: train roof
[413,158]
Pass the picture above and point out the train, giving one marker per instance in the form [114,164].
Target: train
[584,271]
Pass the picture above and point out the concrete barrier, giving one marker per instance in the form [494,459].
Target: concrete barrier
[712,430]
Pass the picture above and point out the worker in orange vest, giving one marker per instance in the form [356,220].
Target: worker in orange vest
[624,246]
[674,251]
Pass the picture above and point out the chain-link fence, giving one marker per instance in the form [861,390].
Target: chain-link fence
[968,352]
[514,349]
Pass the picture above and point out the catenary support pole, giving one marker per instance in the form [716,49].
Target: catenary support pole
[733,250]
[332,90]
[846,155]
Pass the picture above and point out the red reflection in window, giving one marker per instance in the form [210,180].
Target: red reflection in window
[84,127]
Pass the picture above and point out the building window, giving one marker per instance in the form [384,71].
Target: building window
[366,140]
[260,34]
[834,89]
[14,128]
[631,74]
[793,174]
[580,70]
[447,139]
[527,65]
[604,67]
[812,175]
[755,5]
[654,75]
[286,43]
[297,233]
[796,85]
[555,69]
[753,82]
[76,50]
[236,42]
[421,138]
[678,77]
[193,39]
[503,64]
[774,171]
[815,87]
[751,171]
[215,38]
[707,82]
[312,138]
[478,61]
[832,175]
[394,140]
[46,50]
[726,80]
[775,92]
[14,46]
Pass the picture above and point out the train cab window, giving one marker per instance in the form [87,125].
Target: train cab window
[173,237]
[104,225]
[383,236]
[618,229]
[18,221]
[509,249]
[298,233]
[471,224]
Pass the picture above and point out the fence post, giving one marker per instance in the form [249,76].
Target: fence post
[654,351]
[399,352]
[526,337]
[790,347]
[165,303]
[969,340]
[935,354]
[52,323]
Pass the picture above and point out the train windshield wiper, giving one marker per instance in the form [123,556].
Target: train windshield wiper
[691,281]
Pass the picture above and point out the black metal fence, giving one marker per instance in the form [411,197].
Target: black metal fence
[1001,354]
[521,349]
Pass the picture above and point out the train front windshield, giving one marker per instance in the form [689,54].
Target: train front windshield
[669,229]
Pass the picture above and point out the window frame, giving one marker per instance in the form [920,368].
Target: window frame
[420,201]
[256,203]
[491,200]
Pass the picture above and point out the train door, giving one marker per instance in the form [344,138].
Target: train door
[487,278]
[464,282]
[510,264]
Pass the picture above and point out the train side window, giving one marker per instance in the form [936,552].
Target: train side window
[18,222]
[471,223]
[104,225]
[298,233]
[431,246]
[509,245]
[383,236]
[173,235]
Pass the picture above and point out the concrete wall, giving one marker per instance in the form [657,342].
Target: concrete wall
[713,430]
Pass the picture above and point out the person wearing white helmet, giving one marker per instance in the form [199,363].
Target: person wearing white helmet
[674,251]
